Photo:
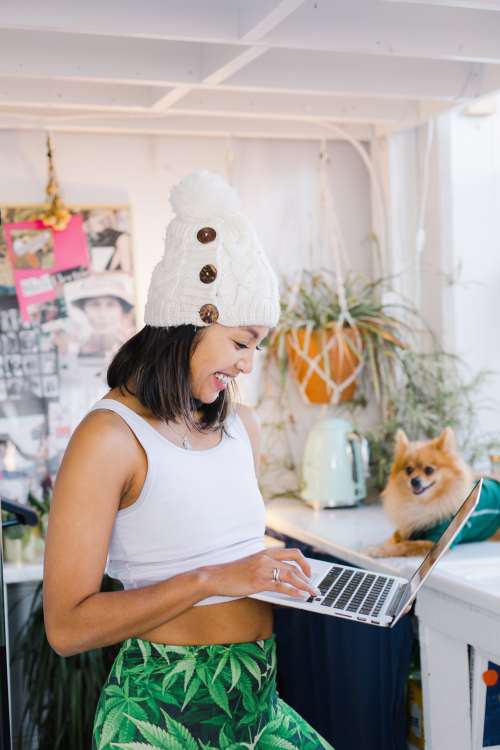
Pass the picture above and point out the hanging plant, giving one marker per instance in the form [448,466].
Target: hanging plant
[330,343]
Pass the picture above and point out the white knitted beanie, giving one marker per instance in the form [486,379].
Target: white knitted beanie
[214,269]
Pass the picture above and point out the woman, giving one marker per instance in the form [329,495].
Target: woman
[161,474]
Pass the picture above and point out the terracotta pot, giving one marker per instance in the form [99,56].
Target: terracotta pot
[343,362]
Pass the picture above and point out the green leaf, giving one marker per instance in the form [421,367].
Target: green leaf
[274,741]
[224,741]
[109,727]
[180,732]
[251,666]
[220,666]
[150,732]
[189,673]
[191,691]
[218,694]
[145,647]
[134,746]
[235,671]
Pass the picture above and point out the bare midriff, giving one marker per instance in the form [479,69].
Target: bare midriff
[236,621]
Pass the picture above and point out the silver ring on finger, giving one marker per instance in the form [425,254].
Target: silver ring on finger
[276,575]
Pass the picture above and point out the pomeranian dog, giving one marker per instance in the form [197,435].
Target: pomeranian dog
[427,484]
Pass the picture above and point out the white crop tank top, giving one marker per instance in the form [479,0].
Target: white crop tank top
[196,507]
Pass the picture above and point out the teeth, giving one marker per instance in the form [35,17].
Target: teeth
[223,378]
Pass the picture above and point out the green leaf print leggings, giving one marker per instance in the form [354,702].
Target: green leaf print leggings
[160,697]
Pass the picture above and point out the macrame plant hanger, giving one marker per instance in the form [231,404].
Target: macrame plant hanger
[344,333]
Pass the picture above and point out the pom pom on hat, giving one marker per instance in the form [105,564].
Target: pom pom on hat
[203,195]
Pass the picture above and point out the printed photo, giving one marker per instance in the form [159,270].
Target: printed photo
[44,314]
[103,307]
[33,248]
[50,386]
[28,341]
[31,364]
[13,366]
[10,343]
[108,236]
[48,362]
[15,388]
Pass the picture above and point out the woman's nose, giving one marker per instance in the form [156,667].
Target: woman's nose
[245,363]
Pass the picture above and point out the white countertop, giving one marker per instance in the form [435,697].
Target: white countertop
[22,573]
[470,572]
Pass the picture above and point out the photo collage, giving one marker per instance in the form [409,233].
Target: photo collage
[67,303]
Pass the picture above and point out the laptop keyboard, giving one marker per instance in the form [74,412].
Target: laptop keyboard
[354,591]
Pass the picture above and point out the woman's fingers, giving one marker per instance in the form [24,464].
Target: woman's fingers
[291,554]
[290,575]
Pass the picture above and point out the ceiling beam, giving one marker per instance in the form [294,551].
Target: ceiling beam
[301,107]
[88,97]
[473,4]
[430,29]
[78,95]
[253,25]
[172,124]
[392,28]
[366,75]
[183,20]
[108,59]
[171,64]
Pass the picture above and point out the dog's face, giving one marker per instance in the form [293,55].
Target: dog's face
[427,470]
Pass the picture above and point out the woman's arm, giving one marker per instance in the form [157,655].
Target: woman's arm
[96,471]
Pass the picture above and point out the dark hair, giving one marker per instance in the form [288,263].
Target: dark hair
[154,366]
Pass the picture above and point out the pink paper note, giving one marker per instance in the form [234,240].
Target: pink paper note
[36,252]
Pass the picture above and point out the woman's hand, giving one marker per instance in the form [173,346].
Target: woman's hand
[254,573]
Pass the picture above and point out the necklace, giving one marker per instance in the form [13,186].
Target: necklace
[184,440]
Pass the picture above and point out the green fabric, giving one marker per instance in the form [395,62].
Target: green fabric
[482,524]
[160,697]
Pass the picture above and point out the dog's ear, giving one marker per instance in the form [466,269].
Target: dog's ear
[401,442]
[446,440]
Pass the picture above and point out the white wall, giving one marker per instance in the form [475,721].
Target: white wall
[456,282]
[475,219]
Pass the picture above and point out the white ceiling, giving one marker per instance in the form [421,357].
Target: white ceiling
[268,68]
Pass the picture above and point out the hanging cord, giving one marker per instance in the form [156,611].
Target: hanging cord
[376,188]
[420,234]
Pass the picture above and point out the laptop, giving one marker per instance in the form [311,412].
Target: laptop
[369,597]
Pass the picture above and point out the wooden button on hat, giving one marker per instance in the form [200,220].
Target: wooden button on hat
[207,234]
[209,314]
[208,274]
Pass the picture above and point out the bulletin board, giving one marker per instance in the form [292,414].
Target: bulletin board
[67,303]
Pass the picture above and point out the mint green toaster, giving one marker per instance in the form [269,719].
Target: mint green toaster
[334,465]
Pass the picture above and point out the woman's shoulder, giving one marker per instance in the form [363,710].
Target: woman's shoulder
[102,426]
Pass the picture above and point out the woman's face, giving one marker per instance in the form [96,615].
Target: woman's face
[103,313]
[224,350]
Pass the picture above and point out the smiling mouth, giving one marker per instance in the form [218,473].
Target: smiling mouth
[421,490]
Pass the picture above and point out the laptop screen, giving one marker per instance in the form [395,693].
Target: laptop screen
[440,547]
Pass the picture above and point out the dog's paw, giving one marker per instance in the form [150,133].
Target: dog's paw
[375,551]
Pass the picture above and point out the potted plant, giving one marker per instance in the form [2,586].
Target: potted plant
[329,338]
